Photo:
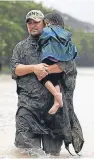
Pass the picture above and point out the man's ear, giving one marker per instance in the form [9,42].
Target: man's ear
[46,22]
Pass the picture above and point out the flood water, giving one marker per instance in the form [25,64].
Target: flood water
[83,105]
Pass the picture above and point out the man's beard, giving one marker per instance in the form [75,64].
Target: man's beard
[35,33]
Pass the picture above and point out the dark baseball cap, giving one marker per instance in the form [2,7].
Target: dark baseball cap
[36,15]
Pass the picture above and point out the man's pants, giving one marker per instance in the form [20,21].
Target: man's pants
[26,139]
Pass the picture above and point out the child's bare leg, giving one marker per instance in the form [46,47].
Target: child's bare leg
[55,90]
[55,107]
[58,96]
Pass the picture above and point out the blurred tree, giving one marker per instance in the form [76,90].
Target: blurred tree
[12,24]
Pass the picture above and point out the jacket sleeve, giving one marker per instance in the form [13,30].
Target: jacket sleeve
[68,79]
[15,60]
[67,66]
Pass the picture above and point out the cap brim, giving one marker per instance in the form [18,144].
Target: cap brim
[35,19]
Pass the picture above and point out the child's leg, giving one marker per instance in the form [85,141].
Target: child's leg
[56,105]
[51,83]
[55,91]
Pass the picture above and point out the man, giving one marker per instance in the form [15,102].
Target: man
[33,123]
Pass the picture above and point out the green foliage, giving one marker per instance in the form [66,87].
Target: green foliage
[12,23]
[84,41]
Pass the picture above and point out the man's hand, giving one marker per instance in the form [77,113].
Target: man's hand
[40,70]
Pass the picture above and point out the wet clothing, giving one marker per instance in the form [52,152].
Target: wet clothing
[55,45]
[33,123]
[56,42]
[53,77]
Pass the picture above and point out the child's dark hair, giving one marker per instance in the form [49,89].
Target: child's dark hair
[55,18]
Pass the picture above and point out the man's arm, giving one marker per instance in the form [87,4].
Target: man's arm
[66,66]
[19,69]
[54,69]
[38,69]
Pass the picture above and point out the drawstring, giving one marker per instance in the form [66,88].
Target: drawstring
[67,147]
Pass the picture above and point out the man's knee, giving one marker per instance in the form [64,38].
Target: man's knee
[27,140]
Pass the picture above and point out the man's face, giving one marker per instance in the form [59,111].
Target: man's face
[35,28]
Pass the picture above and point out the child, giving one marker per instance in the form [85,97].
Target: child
[55,45]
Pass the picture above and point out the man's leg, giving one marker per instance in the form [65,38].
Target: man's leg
[24,137]
[51,145]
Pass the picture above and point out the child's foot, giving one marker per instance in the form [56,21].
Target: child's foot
[54,108]
[58,97]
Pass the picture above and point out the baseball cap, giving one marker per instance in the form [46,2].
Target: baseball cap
[36,15]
